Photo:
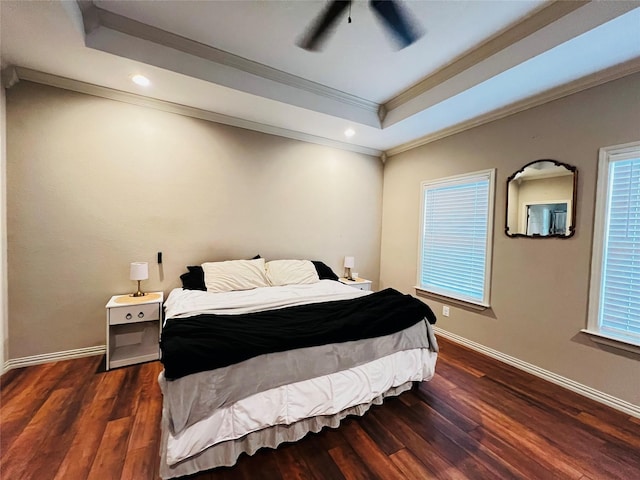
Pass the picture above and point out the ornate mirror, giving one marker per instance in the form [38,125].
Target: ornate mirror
[541,200]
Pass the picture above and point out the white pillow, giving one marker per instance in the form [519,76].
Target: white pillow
[289,272]
[234,275]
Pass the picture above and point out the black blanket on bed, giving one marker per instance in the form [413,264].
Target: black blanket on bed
[204,342]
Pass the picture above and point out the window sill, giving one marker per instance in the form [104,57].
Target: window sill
[454,301]
[614,342]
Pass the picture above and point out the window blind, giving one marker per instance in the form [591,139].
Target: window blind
[454,244]
[620,291]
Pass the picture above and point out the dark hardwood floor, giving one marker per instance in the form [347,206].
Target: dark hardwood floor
[478,418]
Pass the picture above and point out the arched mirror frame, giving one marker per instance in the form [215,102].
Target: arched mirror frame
[572,226]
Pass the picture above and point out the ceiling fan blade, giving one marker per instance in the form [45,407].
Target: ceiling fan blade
[316,34]
[397,20]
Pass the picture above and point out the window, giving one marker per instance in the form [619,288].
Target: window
[456,237]
[614,297]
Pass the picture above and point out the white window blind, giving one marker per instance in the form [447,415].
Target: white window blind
[620,304]
[615,288]
[455,244]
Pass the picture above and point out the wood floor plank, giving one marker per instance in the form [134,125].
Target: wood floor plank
[616,440]
[110,383]
[467,367]
[138,463]
[366,448]
[222,473]
[330,438]
[108,463]
[128,394]
[318,458]
[410,466]
[25,401]
[292,466]
[262,466]
[441,382]
[380,434]
[627,436]
[146,429]
[455,375]
[20,455]
[77,371]
[63,423]
[477,419]
[444,430]
[542,466]
[350,464]
[535,390]
[44,429]
[550,411]
[492,417]
[10,382]
[581,449]
[86,442]
[22,382]
[466,419]
[428,453]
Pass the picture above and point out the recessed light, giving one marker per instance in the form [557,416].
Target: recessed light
[349,132]
[140,80]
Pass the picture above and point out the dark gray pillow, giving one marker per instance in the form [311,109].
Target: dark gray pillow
[324,271]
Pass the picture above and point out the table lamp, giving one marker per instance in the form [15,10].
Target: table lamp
[139,271]
[349,263]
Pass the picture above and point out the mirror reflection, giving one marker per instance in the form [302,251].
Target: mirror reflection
[541,200]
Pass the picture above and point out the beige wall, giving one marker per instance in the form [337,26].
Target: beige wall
[540,286]
[94,184]
[3,232]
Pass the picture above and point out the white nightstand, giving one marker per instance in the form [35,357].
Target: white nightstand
[359,283]
[133,329]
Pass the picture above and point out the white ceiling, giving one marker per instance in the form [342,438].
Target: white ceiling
[477,60]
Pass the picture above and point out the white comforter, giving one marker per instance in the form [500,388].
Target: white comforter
[186,303]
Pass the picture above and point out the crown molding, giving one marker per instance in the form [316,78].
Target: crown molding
[537,20]
[15,74]
[584,83]
[9,77]
[21,73]
[95,17]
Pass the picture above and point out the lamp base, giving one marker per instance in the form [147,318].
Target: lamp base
[347,274]
[138,293]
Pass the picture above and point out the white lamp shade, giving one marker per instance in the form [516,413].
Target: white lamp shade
[139,271]
[349,262]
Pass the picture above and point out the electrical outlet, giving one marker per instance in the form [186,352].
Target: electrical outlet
[445,310]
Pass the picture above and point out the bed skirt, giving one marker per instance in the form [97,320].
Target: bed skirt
[226,454]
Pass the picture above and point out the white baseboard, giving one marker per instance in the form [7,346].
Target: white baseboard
[54,357]
[604,398]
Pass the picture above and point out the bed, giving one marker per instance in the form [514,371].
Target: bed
[259,353]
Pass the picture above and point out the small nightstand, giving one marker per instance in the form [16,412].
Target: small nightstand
[133,329]
[359,283]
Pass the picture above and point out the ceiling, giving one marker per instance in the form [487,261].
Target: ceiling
[237,62]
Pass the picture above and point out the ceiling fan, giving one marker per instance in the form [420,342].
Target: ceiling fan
[393,16]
